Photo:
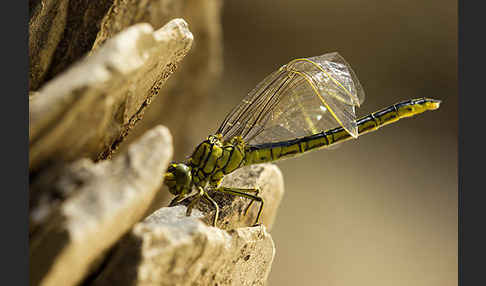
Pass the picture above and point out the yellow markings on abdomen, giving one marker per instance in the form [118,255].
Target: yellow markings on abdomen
[259,156]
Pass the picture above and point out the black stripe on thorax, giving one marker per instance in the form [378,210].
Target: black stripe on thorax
[216,161]
[229,158]
[207,158]
[242,159]
[200,157]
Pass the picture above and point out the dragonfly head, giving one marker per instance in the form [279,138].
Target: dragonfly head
[178,178]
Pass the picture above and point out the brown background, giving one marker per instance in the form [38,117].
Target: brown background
[381,210]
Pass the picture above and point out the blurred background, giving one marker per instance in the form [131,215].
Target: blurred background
[381,210]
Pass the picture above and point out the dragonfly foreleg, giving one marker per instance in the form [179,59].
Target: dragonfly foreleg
[216,207]
[244,193]
[197,197]
[177,200]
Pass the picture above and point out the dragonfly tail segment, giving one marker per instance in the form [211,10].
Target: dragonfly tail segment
[274,151]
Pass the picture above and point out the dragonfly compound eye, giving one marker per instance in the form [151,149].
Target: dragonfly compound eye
[178,178]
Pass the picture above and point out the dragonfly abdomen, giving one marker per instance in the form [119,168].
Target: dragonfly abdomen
[269,152]
[394,113]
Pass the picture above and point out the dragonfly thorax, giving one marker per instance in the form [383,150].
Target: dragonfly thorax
[210,161]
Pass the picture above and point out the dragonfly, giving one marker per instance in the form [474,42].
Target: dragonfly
[306,105]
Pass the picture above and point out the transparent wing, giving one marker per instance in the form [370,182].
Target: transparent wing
[302,98]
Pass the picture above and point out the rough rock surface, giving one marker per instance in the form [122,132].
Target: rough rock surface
[104,201]
[126,13]
[97,69]
[168,248]
[184,97]
[46,27]
[182,100]
[62,31]
[89,109]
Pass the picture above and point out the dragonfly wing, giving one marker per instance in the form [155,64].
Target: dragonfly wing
[304,97]
[244,118]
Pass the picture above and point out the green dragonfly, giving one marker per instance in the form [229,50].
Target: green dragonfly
[307,104]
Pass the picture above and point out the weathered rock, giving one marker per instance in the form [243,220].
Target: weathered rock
[168,248]
[184,97]
[187,90]
[80,212]
[82,22]
[46,26]
[61,31]
[101,203]
[89,109]
[126,13]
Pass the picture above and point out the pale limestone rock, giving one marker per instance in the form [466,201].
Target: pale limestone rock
[168,248]
[80,210]
[184,97]
[89,109]
[104,201]
[126,13]
[61,31]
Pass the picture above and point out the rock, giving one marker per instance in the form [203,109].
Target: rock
[47,22]
[101,203]
[194,83]
[61,31]
[89,109]
[168,248]
[82,21]
[96,66]
[184,98]
[126,13]
[189,87]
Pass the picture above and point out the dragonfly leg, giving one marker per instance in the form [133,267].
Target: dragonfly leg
[256,191]
[197,197]
[244,193]
[177,200]
[216,207]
